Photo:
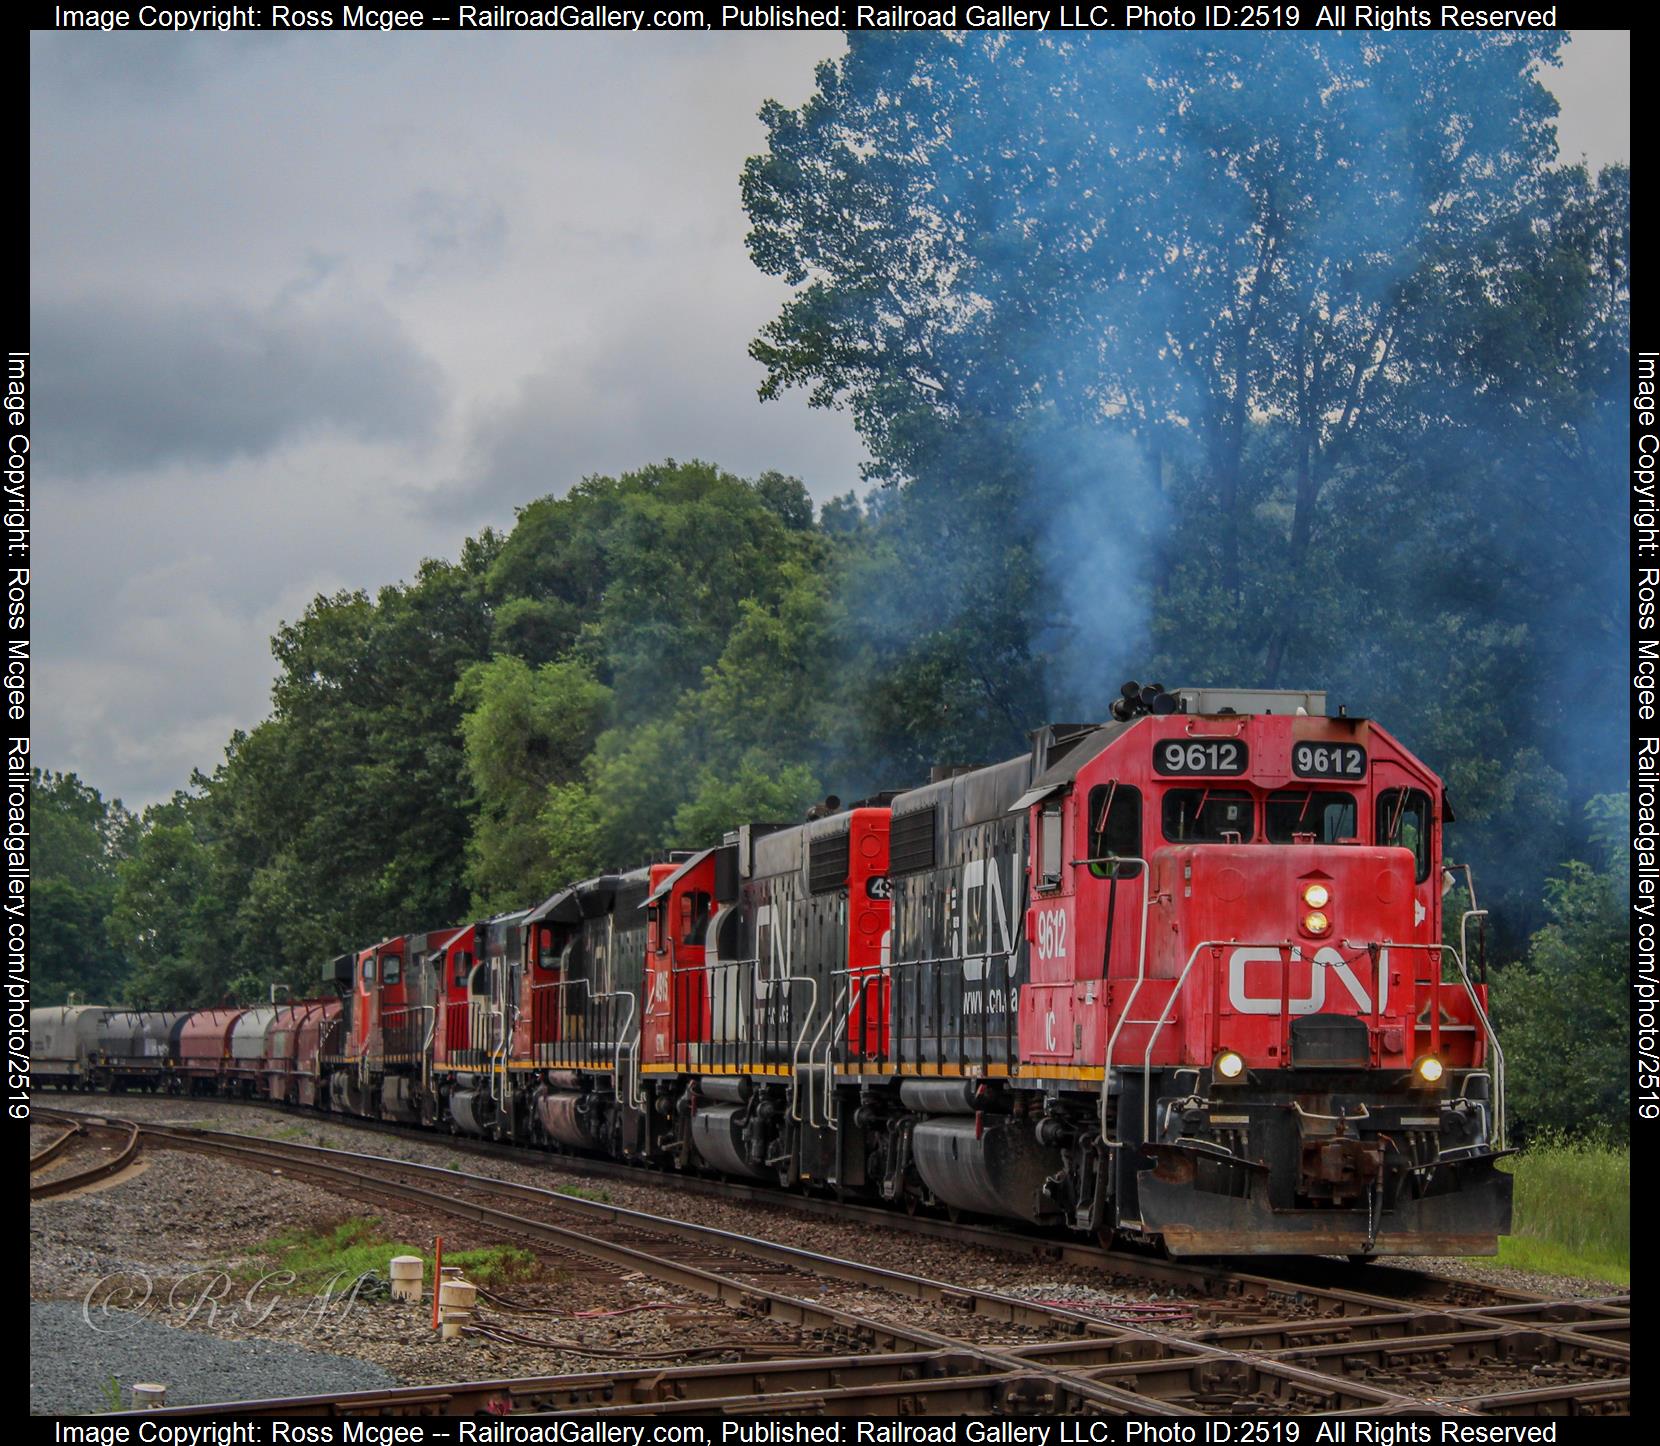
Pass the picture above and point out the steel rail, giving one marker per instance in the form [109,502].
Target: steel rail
[41,1158]
[1078,1391]
[1205,1364]
[63,1184]
[1299,1287]
[1470,1327]
[675,1387]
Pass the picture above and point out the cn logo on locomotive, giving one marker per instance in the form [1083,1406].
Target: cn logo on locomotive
[983,923]
[1325,962]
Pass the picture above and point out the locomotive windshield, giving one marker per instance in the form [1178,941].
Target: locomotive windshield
[1328,817]
[1208,815]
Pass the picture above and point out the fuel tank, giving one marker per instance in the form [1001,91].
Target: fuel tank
[473,1111]
[718,1133]
[986,1164]
[568,1118]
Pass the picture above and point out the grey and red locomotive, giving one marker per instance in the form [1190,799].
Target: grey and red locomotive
[1181,977]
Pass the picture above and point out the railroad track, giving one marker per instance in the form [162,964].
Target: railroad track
[1278,1282]
[63,1184]
[44,1157]
[1337,1350]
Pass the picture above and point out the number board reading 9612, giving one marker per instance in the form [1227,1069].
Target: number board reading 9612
[1201,756]
[1328,760]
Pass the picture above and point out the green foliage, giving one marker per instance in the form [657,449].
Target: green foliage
[336,1256]
[75,837]
[663,671]
[1563,1013]
[77,843]
[1573,1209]
[69,948]
[160,916]
[755,790]
[525,731]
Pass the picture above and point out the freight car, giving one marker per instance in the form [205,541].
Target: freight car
[1179,977]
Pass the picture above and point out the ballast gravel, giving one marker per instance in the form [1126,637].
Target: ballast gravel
[75,1368]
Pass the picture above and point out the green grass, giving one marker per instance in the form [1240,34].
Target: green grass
[343,1252]
[584,1192]
[1573,1211]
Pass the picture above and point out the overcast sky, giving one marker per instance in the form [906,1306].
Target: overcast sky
[306,310]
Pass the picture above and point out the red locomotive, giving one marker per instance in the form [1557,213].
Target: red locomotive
[1179,977]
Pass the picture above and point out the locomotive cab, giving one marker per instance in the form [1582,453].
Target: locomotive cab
[1236,918]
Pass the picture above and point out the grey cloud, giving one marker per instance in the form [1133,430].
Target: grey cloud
[451,229]
[640,401]
[126,384]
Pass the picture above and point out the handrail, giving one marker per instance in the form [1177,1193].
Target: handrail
[1285,945]
[426,1044]
[1481,1013]
[1464,932]
[1280,946]
[627,1080]
[1140,979]
[855,999]
[622,1035]
[812,1009]
[1158,1028]
[829,1021]
[500,1048]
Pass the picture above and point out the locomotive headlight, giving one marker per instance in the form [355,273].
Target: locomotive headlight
[1229,1065]
[1317,896]
[1429,1070]
[1316,923]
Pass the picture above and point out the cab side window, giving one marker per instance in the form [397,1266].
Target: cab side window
[1404,822]
[1114,829]
[391,968]
[694,916]
[1049,846]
